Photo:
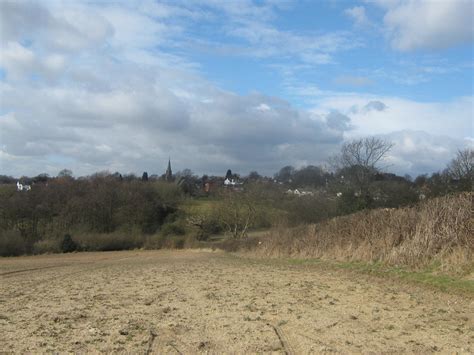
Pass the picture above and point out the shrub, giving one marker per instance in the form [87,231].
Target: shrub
[171,242]
[110,241]
[234,245]
[68,245]
[12,243]
[178,243]
[308,209]
[154,241]
[47,246]
[173,229]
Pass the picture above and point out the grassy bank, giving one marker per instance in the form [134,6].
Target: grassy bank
[436,232]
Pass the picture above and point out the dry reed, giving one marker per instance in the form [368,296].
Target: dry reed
[438,230]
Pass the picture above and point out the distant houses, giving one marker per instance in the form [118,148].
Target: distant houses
[299,192]
[232,183]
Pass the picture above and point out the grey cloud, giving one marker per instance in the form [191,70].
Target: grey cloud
[338,121]
[30,22]
[235,120]
[128,129]
[22,19]
[374,106]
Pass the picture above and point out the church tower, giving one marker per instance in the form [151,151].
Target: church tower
[169,173]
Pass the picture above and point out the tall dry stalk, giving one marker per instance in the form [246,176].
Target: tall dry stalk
[435,230]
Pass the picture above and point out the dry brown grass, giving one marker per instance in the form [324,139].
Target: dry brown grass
[435,231]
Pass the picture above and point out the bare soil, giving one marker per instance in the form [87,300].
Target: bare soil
[212,302]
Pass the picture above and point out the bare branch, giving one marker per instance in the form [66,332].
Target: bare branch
[364,152]
[462,167]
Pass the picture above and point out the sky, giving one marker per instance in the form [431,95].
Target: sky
[241,84]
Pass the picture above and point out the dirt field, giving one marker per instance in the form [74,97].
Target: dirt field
[190,302]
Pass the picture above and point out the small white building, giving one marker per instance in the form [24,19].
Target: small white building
[228,182]
[21,187]
[299,193]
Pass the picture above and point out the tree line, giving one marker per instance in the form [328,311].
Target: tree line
[99,204]
[107,211]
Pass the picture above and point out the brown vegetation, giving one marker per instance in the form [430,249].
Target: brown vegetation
[438,230]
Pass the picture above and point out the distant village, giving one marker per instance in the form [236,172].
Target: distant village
[352,181]
[185,179]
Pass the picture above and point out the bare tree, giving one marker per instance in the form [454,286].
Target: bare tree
[186,173]
[358,163]
[65,173]
[462,167]
[366,152]
[238,213]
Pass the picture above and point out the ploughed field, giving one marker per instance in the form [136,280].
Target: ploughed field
[202,301]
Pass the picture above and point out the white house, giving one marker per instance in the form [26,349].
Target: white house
[228,182]
[21,187]
[299,193]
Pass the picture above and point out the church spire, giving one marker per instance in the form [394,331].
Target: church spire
[169,173]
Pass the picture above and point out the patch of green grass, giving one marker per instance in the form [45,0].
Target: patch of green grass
[426,277]
[295,261]
[442,282]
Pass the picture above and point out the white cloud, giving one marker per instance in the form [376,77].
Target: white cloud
[20,62]
[16,59]
[417,152]
[426,135]
[9,122]
[427,24]
[263,107]
[358,14]
[54,62]
[452,118]
[89,88]
[266,41]
[135,29]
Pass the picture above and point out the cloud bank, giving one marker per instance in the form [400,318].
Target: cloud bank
[427,24]
[109,86]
